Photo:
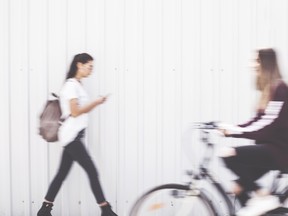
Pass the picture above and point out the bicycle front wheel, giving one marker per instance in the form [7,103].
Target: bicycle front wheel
[173,200]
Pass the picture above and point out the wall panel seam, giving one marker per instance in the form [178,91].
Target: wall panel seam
[28,104]
[9,101]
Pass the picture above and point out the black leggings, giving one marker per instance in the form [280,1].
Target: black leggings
[250,163]
[76,151]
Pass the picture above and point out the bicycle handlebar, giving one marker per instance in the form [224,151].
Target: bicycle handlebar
[206,125]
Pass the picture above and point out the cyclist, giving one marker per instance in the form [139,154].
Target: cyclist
[269,129]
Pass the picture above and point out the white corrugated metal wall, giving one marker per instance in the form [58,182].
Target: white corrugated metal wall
[165,63]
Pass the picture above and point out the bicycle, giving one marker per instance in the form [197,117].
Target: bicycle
[191,199]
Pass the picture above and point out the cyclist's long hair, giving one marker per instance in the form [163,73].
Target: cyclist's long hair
[82,58]
[270,75]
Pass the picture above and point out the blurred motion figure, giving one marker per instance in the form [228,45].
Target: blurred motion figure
[269,129]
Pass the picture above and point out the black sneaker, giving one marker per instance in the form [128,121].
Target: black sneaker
[45,210]
[107,211]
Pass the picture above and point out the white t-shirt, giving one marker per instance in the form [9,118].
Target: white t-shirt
[72,125]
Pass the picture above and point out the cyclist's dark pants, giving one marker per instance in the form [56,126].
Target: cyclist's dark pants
[76,151]
[250,163]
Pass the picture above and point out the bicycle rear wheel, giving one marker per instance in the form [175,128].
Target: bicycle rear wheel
[173,200]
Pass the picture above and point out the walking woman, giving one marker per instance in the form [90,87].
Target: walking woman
[75,106]
[269,129]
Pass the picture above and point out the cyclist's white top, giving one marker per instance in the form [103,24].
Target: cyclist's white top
[72,125]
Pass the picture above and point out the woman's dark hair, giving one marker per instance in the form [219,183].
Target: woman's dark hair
[270,75]
[82,58]
[269,65]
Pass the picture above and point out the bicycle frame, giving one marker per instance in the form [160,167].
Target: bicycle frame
[204,170]
[204,173]
[193,189]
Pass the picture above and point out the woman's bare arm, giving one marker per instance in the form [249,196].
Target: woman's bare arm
[76,110]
